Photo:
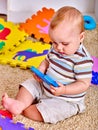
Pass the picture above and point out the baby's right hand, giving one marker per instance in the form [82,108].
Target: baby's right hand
[37,78]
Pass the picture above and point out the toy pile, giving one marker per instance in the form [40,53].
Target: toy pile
[15,47]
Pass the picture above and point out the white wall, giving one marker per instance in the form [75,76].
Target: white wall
[35,5]
[3,6]
[20,10]
[96,9]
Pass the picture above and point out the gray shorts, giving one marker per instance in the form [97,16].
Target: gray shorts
[52,108]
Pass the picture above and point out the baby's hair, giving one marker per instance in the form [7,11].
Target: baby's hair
[69,14]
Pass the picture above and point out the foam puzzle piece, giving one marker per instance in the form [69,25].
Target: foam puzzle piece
[95,71]
[94,78]
[2,44]
[6,113]
[10,36]
[27,54]
[95,65]
[8,124]
[38,24]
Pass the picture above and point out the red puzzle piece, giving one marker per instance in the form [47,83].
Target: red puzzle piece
[5,113]
[4,33]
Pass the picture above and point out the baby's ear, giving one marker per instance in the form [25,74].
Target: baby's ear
[82,36]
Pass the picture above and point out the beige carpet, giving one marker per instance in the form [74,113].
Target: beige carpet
[11,77]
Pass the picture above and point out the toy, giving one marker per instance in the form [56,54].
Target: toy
[95,65]
[38,24]
[89,22]
[94,78]
[10,36]
[6,113]
[95,71]
[1,27]
[8,124]
[29,54]
[4,33]
[26,54]
[45,78]
[2,44]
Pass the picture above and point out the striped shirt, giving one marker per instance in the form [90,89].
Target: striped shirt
[67,69]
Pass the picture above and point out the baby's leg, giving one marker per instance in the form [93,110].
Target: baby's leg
[32,113]
[22,101]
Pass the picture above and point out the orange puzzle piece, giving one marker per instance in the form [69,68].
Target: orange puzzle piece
[38,24]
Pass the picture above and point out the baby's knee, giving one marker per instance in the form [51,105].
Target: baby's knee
[32,113]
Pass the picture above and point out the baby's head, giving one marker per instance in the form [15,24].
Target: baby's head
[67,30]
[70,15]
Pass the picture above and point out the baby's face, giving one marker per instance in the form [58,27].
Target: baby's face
[66,38]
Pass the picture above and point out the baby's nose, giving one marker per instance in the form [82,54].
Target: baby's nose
[59,47]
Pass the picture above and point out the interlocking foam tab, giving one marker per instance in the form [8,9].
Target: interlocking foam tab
[10,36]
[8,124]
[38,24]
[26,55]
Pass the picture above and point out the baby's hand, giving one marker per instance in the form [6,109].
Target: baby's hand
[57,91]
[37,78]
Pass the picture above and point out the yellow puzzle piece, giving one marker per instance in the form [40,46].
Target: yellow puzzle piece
[26,55]
[10,36]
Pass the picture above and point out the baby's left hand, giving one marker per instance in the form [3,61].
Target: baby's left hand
[57,91]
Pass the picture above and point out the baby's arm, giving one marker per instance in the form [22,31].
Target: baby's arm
[77,87]
[43,66]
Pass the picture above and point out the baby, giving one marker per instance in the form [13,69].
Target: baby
[68,63]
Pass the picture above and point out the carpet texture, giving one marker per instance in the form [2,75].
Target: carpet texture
[11,77]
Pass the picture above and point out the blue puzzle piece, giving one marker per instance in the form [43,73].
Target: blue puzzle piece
[94,78]
[44,77]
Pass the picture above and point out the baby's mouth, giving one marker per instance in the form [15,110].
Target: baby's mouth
[62,53]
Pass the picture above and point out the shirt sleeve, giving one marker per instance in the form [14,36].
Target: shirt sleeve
[83,68]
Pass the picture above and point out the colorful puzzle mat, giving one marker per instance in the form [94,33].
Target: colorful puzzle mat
[27,54]
[8,124]
[39,24]
[10,36]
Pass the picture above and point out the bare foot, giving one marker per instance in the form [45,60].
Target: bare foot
[14,106]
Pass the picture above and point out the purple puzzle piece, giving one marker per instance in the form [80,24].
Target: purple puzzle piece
[7,124]
[29,54]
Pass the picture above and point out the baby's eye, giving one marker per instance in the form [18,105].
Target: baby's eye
[65,43]
[54,42]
